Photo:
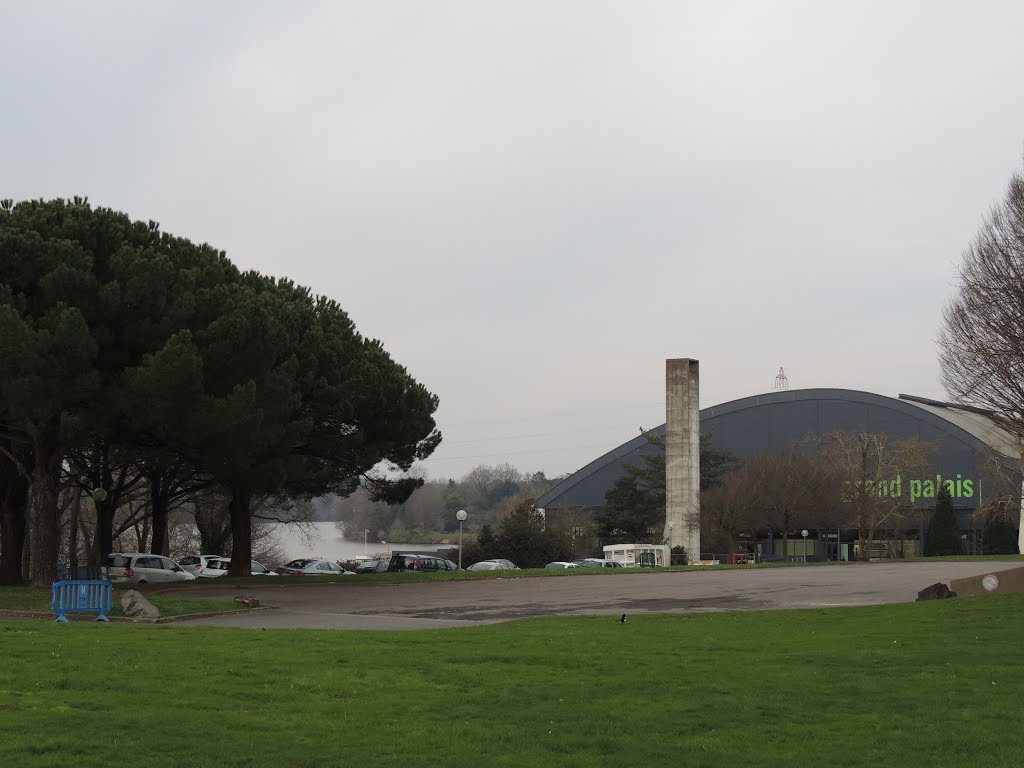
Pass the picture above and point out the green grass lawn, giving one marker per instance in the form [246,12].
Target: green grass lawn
[35,599]
[935,684]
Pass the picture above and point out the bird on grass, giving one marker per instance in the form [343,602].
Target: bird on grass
[623,619]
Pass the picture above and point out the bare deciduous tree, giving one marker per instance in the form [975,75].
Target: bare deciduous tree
[1001,500]
[725,511]
[982,344]
[781,492]
[872,469]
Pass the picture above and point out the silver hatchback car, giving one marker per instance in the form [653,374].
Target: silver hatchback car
[144,568]
[494,564]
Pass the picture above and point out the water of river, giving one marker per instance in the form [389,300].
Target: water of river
[324,541]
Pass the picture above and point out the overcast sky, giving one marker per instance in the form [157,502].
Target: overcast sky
[534,204]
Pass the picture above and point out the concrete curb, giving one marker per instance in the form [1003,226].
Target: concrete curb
[51,615]
[190,616]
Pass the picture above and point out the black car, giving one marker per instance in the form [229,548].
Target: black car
[371,566]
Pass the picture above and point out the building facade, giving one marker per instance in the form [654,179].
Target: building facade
[962,444]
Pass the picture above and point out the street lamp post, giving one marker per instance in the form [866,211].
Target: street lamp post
[99,495]
[461,517]
[671,525]
[365,531]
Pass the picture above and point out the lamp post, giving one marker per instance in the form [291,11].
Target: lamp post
[461,517]
[365,531]
[99,495]
[668,541]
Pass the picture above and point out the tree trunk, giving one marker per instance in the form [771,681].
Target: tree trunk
[865,532]
[158,504]
[76,508]
[142,531]
[241,534]
[26,554]
[213,524]
[87,534]
[45,503]
[13,521]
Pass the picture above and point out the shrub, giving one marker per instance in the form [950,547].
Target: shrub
[943,537]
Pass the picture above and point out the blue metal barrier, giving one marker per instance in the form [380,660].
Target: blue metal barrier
[78,596]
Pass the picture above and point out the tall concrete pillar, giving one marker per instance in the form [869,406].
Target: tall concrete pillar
[682,455]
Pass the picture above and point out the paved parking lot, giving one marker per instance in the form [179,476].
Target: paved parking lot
[359,602]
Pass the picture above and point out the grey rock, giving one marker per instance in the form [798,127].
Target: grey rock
[248,602]
[136,606]
[935,592]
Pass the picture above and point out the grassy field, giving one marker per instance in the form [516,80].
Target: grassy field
[34,599]
[935,684]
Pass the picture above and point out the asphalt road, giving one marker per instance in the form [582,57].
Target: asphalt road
[359,602]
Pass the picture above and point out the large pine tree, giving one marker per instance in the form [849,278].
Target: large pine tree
[943,537]
[636,503]
[999,536]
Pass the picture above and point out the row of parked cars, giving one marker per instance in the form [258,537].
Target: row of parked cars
[401,562]
[144,568]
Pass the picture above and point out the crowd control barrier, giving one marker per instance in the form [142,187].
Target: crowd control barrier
[82,596]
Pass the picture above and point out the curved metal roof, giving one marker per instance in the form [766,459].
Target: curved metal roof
[969,426]
[976,421]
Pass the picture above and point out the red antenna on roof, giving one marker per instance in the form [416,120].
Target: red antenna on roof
[781,381]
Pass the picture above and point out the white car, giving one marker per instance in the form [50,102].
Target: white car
[597,562]
[144,568]
[310,567]
[200,566]
[560,564]
[218,566]
[494,564]
[259,569]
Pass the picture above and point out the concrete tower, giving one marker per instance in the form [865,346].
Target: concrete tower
[682,455]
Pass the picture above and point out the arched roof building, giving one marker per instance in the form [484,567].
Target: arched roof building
[963,439]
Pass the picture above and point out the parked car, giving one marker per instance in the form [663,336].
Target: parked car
[218,566]
[492,565]
[402,562]
[559,564]
[488,565]
[143,568]
[197,565]
[372,566]
[309,567]
[259,569]
[507,564]
[597,562]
